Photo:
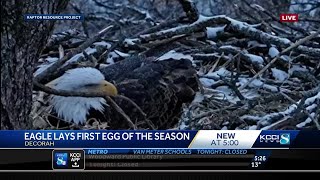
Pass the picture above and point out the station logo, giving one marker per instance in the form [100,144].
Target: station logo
[283,139]
[68,159]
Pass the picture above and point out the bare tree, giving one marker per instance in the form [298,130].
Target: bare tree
[21,44]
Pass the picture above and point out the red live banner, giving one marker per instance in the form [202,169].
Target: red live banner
[289,17]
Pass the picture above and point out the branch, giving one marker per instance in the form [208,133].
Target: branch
[234,25]
[120,111]
[184,29]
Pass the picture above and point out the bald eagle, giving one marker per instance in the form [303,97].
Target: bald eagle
[159,88]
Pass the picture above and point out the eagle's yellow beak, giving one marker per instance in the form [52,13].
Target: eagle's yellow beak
[108,88]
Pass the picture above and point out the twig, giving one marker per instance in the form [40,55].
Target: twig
[139,109]
[133,103]
[61,52]
[120,111]
[301,41]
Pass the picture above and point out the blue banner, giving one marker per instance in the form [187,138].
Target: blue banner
[202,139]
[95,139]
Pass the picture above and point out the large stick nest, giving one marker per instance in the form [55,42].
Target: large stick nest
[259,74]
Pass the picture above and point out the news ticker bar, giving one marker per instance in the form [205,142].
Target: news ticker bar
[211,139]
[81,160]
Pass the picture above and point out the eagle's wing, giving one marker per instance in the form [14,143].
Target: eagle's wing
[159,88]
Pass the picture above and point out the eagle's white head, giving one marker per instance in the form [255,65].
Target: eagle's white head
[76,109]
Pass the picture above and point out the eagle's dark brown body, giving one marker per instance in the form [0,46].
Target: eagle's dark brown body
[159,88]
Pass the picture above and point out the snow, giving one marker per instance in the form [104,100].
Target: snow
[111,56]
[311,107]
[297,67]
[174,55]
[254,118]
[255,44]
[229,47]
[212,32]
[90,50]
[286,58]
[203,18]
[217,74]
[121,54]
[130,42]
[256,83]
[183,126]
[271,88]
[254,127]
[312,99]
[255,58]
[273,52]
[74,58]
[250,94]
[224,128]
[207,82]
[48,62]
[102,43]
[242,25]
[225,123]
[279,74]
[51,59]
[198,98]
[101,66]
[225,93]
